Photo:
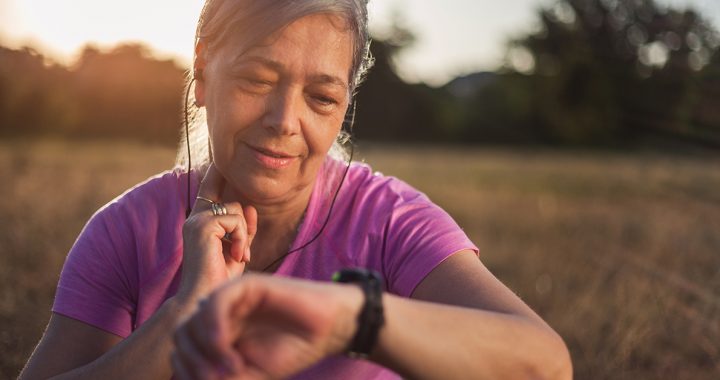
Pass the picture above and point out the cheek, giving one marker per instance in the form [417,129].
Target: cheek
[221,130]
[226,117]
[327,133]
[321,141]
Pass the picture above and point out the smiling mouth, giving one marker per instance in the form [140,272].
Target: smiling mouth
[271,153]
[272,159]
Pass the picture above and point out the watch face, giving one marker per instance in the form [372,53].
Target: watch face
[356,275]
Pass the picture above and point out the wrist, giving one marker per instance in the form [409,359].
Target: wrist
[181,306]
[191,292]
[351,299]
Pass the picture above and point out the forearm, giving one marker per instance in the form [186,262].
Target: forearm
[143,355]
[422,340]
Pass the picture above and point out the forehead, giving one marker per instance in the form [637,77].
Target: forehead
[323,40]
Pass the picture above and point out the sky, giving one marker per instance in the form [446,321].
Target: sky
[455,37]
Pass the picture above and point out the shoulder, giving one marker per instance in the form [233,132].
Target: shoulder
[369,203]
[164,192]
[143,220]
[166,185]
[122,243]
[409,235]
[152,208]
[383,193]
[384,203]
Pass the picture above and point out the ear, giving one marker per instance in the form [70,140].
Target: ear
[199,66]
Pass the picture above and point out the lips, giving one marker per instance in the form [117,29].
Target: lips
[272,153]
[272,159]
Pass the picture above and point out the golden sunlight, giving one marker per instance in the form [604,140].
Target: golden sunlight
[61,28]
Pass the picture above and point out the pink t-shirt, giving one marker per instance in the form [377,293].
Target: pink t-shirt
[127,260]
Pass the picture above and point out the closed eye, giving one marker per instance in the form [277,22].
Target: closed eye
[323,104]
[257,81]
[325,100]
[255,84]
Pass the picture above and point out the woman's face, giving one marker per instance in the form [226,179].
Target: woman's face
[274,111]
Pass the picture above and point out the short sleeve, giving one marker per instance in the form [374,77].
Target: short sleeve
[419,236]
[96,283]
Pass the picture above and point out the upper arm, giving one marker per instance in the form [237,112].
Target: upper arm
[463,280]
[67,344]
[419,236]
[99,281]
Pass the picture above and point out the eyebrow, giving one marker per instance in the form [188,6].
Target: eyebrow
[276,66]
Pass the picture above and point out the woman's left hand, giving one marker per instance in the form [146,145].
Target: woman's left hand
[209,257]
[259,327]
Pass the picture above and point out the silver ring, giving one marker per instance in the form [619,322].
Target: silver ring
[218,209]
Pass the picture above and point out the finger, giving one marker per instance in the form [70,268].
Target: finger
[250,214]
[215,343]
[233,208]
[200,361]
[237,249]
[212,185]
[196,350]
[229,229]
[235,227]
[191,359]
[180,371]
[222,320]
[240,237]
[236,300]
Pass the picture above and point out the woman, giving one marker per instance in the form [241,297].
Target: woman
[276,79]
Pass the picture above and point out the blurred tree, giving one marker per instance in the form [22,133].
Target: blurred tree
[125,92]
[604,71]
[120,93]
[705,109]
[493,108]
[600,72]
[390,109]
[31,92]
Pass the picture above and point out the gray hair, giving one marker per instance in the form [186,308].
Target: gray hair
[249,21]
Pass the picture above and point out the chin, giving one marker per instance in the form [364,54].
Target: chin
[257,184]
[260,189]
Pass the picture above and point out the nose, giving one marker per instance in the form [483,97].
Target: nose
[283,111]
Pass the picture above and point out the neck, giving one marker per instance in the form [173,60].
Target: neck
[278,224]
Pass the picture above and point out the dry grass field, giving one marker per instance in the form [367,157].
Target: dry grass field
[620,253]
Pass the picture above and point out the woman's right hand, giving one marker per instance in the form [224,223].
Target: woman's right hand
[208,259]
[265,327]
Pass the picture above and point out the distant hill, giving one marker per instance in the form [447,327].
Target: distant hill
[464,87]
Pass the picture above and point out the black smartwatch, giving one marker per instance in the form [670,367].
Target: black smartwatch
[371,317]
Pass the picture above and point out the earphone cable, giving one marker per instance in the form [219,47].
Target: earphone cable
[327,218]
[187,142]
[332,203]
[350,123]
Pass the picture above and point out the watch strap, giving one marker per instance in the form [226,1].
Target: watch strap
[371,317]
